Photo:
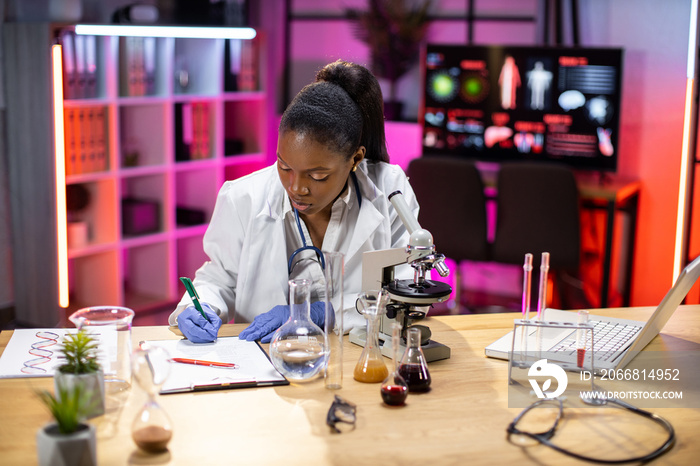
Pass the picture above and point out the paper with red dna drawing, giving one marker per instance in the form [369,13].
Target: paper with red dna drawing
[36,352]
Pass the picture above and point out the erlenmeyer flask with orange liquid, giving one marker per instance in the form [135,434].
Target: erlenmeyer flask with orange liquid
[370,367]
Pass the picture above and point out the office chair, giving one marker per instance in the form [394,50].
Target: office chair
[538,211]
[450,192]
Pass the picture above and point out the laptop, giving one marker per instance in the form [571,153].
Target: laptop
[616,341]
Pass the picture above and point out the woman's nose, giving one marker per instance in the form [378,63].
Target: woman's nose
[297,186]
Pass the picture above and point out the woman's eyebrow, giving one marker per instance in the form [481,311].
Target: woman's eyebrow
[313,169]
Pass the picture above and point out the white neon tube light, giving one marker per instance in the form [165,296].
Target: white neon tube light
[60,173]
[185,32]
[679,251]
[692,39]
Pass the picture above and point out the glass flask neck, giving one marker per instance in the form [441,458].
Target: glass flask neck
[413,338]
[414,353]
[299,300]
[373,331]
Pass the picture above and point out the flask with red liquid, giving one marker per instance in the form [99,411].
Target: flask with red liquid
[394,388]
[414,367]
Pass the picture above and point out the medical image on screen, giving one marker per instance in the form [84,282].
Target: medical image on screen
[536,103]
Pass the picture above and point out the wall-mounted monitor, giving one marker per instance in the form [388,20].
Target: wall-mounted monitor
[496,103]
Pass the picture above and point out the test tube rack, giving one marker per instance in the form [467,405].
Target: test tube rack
[521,357]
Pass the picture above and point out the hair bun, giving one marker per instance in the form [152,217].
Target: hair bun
[362,87]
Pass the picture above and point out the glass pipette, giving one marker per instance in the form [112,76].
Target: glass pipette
[527,283]
[542,298]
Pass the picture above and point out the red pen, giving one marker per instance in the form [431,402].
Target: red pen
[199,362]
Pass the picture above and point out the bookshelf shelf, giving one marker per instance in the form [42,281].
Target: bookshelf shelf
[146,162]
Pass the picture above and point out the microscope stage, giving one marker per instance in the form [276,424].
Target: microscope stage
[408,292]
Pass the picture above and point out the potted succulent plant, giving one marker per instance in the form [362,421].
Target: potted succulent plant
[393,30]
[69,440]
[82,370]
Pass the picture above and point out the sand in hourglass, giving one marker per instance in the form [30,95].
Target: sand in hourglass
[153,439]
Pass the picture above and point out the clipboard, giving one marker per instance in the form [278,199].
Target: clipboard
[254,367]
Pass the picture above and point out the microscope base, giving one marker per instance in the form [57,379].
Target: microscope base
[433,351]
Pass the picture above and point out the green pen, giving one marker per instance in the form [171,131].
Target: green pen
[195,297]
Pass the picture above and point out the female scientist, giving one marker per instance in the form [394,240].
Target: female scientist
[326,192]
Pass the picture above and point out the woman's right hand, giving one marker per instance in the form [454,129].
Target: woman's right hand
[195,327]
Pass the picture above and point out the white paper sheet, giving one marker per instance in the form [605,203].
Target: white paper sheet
[36,352]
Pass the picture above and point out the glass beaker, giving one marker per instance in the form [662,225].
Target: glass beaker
[334,329]
[394,388]
[298,348]
[114,329]
[414,367]
[151,429]
[370,367]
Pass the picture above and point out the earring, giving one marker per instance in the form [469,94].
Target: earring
[354,167]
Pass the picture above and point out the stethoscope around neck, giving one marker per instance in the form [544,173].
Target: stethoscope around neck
[306,247]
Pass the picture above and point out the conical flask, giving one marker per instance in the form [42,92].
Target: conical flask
[298,347]
[414,367]
[370,367]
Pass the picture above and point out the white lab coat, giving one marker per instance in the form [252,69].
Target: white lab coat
[247,271]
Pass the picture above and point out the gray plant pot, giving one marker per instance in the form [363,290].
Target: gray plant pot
[93,385]
[57,449]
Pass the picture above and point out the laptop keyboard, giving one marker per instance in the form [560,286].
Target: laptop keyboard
[610,338]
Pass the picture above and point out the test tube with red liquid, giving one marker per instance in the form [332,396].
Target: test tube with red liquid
[581,337]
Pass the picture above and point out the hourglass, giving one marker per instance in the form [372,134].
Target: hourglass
[151,429]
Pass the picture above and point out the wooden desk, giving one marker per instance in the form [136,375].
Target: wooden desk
[461,421]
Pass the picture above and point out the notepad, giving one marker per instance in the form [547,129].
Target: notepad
[254,368]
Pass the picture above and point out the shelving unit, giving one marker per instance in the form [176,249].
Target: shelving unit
[167,144]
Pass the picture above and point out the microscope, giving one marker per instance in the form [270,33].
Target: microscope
[409,299]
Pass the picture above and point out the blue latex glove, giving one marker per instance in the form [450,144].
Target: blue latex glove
[264,325]
[195,327]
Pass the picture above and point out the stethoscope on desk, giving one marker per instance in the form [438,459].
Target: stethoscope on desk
[306,247]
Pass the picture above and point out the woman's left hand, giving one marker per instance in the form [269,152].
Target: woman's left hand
[264,325]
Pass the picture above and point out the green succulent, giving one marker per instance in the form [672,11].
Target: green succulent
[80,352]
[69,408]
